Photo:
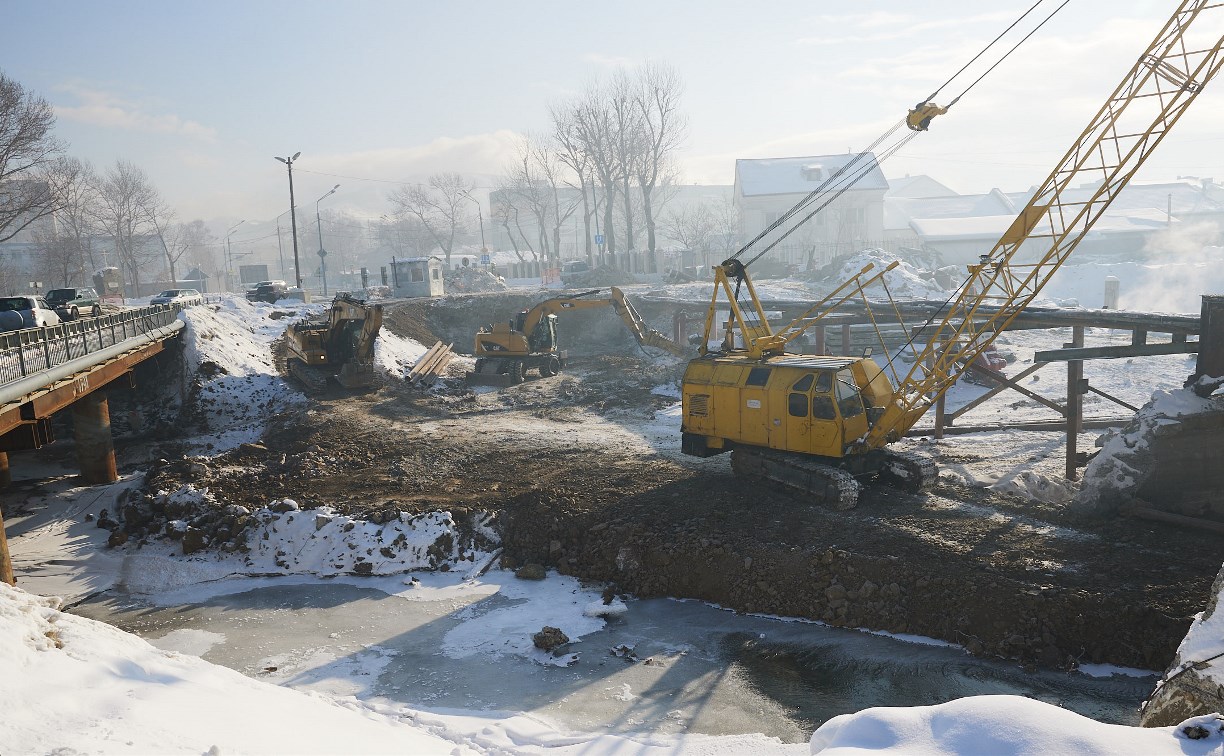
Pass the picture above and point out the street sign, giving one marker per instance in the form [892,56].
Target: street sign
[599,238]
[484,260]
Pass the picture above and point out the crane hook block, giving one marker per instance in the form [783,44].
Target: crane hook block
[920,117]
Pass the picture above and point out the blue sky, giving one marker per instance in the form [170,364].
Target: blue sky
[202,95]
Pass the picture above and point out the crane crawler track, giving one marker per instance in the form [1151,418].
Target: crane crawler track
[826,485]
[911,472]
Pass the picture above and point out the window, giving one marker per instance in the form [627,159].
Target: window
[824,382]
[822,408]
[757,377]
[804,383]
[849,403]
[417,275]
[797,405]
[434,273]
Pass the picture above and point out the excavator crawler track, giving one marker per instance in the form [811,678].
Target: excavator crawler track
[314,381]
[912,472]
[825,484]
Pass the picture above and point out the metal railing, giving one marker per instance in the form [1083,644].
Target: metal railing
[34,350]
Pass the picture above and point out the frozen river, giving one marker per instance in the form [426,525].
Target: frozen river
[693,668]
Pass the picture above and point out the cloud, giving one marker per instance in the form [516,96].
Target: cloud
[100,108]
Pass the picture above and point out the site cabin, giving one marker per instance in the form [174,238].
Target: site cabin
[416,277]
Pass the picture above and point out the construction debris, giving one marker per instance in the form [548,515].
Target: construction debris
[426,370]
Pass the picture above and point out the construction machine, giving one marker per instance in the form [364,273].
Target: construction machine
[335,345]
[505,351]
[823,424]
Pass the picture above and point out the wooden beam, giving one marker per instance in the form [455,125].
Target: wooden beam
[1075,401]
[1008,383]
[1116,352]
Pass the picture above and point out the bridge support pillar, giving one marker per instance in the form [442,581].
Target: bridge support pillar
[92,432]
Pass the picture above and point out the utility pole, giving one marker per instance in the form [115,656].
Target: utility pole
[297,270]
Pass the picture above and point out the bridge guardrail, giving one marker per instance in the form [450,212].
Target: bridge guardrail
[33,350]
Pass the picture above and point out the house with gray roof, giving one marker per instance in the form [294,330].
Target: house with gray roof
[765,189]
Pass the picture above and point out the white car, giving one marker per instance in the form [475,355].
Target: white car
[26,312]
[180,297]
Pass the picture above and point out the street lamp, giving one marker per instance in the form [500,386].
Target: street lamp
[293,217]
[323,252]
[229,256]
[484,248]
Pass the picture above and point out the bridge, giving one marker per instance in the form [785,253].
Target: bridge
[45,370]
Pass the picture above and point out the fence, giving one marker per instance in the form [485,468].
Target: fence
[34,350]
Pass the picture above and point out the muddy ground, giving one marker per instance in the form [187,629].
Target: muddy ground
[574,488]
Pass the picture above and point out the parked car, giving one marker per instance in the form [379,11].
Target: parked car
[70,303]
[180,297]
[268,291]
[26,312]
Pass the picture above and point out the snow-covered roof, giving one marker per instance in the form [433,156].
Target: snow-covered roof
[801,175]
[993,226]
[917,186]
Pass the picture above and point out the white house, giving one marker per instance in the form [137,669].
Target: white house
[851,219]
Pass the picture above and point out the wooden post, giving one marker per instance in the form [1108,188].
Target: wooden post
[845,339]
[940,420]
[818,334]
[1075,401]
[1211,338]
[6,562]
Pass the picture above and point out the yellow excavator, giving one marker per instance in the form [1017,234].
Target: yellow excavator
[505,351]
[337,345]
[822,424]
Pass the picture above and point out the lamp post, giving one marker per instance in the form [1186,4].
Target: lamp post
[323,252]
[229,256]
[297,270]
[480,219]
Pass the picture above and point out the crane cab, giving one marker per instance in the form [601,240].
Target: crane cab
[816,405]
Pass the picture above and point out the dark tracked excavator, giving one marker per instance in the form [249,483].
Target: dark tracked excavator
[337,345]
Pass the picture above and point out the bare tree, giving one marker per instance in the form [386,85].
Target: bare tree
[593,127]
[581,177]
[179,240]
[438,207]
[657,99]
[693,226]
[626,142]
[128,204]
[27,150]
[727,238]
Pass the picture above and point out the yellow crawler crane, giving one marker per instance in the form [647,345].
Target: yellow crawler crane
[337,345]
[505,351]
[820,424]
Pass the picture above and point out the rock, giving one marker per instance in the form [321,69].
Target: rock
[364,568]
[193,540]
[117,538]
[549,638]
[284,505]
[531,572]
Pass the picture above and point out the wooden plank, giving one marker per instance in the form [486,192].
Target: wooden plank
[1116,352]
[1157,515]
[1011,384]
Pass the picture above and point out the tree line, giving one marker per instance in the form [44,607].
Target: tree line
[607,164]
[80,219]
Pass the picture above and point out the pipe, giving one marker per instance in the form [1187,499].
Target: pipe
[18,390]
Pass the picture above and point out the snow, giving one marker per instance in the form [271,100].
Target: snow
[996,725]
[133,696]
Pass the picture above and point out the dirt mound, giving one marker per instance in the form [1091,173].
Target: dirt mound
[470,279]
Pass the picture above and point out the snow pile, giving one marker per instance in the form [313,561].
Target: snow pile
[906,281]
[1125,460]
[1002,724]
[129,697]
[228,348]
[395,354]
[282,538]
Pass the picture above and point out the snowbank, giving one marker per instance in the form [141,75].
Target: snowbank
[1001,724]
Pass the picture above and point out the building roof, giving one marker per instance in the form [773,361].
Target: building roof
[917,186]
[801,175]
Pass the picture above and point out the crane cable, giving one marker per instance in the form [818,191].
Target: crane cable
[851,172]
